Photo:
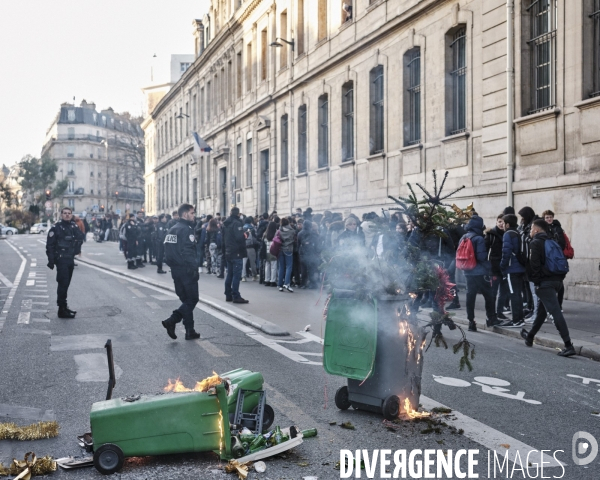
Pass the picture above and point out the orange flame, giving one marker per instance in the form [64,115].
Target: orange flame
[413,413]
[202,386]
[412,295]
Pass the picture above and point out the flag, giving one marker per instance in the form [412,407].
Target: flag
[200,145]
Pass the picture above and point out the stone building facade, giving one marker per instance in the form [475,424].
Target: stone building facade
[336,104]
[101,154]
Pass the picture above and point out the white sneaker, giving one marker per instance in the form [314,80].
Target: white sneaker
[529,321]
[280,289]
[243,279]
[200,270]
[288,288]
[549,318]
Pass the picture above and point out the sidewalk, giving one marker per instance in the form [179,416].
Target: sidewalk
[282,313]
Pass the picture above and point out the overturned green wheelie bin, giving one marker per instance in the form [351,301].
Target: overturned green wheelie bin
[171,423]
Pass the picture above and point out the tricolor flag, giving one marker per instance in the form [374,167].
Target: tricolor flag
[200,145]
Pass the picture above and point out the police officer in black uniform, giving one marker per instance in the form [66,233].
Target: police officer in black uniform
[133,234]
[180,255]
[62,244]
[161,233]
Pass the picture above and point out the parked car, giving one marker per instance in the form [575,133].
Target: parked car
[39,228]
[4,230]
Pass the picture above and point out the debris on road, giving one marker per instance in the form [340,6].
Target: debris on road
[240,468]
[260,467]
[347,425]
[35,431]
[29,466]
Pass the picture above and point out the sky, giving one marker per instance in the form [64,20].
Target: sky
[101,51]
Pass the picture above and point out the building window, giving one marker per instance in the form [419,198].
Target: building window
[263,55]
[71,115]
[302,139]
[71,202]
[249,162]
[322,20]
[284,146]
[323,131]
[458,75]
[348,121]
[238,75]
[229,83]
[238,166]
[202,106]
[187,183]
[542,45]
[71,188]
[70,151]
[91,173]
[249,67]
[208,100]
[71,133]
[283,50]
[300,28]
[377,118]
[595,50]
[183,66]
[412,98]
[346,11]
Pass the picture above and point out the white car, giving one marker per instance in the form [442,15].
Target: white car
[4,230]
[39,228]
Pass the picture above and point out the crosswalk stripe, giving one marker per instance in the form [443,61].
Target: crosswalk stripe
[24,318]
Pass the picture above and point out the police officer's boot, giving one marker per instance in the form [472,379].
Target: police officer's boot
[192,335]
[170,323]
[139,263]
[131,265]
[160,270]
[64,313]
[70,311]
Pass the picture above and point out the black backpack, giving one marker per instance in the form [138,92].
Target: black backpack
[523,250]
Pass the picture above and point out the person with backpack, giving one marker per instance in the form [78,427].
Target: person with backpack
[472,258]
[251,245]
[556,231]
[512,267]
[546,269]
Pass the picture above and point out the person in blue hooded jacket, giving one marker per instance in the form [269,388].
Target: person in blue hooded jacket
[479,278]
[512,270]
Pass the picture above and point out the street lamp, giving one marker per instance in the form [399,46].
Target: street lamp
[277,44]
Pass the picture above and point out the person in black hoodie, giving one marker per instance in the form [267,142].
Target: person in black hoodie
[527,217]
[493,243]
[547,284]
[234,250]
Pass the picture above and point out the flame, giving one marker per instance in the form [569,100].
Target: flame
[202,386]
[413,413]
[412,295]
[402,328]
[411,341]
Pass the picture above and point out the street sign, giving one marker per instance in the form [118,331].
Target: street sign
[118,211]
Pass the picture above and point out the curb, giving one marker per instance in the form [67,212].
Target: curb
[591,352]
[265,326]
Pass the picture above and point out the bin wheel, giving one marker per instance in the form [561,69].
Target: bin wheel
[391,407]
[268,416]
[342,400]
[108,459]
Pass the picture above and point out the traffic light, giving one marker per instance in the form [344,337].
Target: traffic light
[101,208]
[48,194]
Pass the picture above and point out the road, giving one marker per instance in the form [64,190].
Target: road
[55,368]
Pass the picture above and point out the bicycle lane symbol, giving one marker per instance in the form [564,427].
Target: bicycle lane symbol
[489,385]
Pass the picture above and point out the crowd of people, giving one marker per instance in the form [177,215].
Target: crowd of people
[509,265]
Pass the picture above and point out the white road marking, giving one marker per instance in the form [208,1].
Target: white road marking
[5,280]
[15,284]
[37,296]
[40,303]
[211,349]
[153,305]
[489,437]
[24,318]
[30,283]
[26,304]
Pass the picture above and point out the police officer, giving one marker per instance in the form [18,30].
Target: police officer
[133,234]
[63,243]
[161,233]
[180,255]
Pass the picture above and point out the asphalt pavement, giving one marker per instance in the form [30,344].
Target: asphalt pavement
[516,398]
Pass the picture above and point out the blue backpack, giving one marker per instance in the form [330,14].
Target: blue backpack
[556,263]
